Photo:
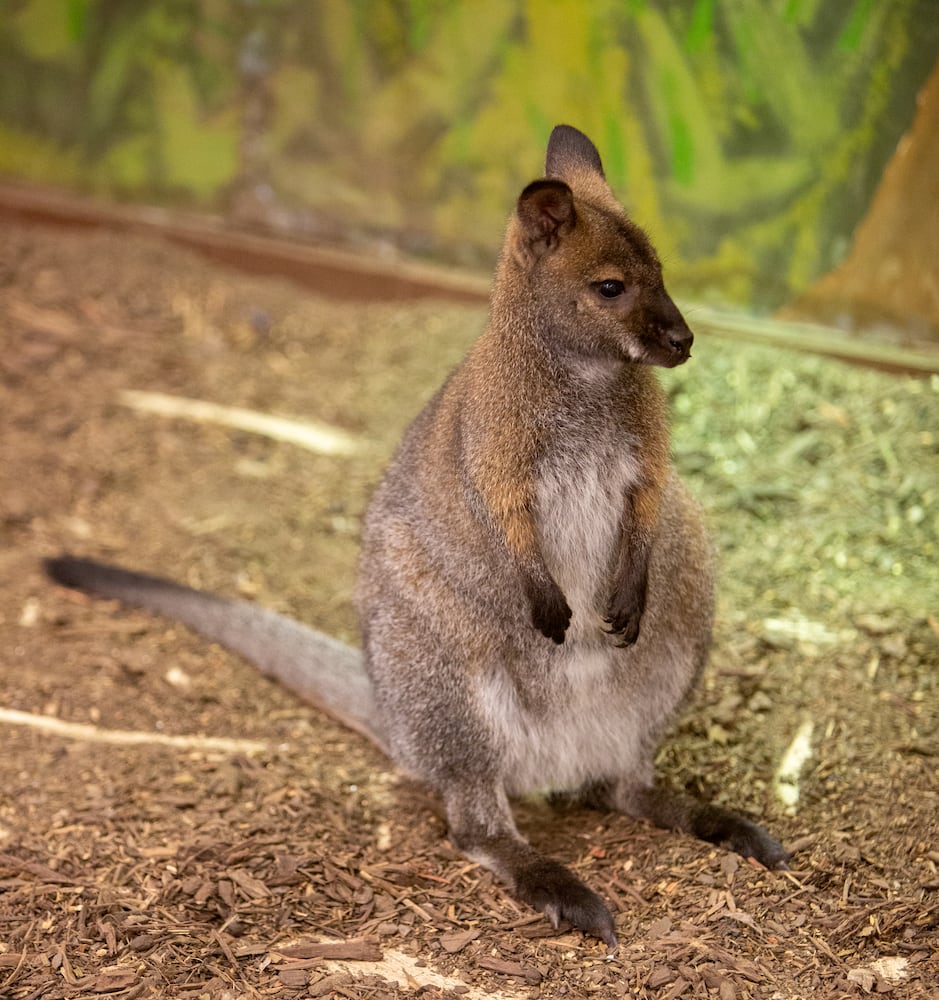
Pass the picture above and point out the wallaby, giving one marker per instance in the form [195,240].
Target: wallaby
[535,586]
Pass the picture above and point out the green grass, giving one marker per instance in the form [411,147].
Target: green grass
[820,480]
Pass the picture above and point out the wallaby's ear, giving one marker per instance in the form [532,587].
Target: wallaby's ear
[570,152]
[546,211]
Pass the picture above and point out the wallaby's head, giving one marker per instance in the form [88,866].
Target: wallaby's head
[593,277]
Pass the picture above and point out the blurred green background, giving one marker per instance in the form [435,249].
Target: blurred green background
[748,136]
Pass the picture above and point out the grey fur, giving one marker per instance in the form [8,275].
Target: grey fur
[316,667]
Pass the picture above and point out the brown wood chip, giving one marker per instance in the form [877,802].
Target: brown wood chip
[112,980]
[525,972]
[457,940]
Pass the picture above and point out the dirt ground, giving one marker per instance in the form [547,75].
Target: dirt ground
[171,825]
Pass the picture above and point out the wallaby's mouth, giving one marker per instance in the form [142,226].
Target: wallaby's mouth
[679,342]
[667,337]
[672,347]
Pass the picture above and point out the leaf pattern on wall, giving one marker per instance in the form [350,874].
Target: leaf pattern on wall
[747,135]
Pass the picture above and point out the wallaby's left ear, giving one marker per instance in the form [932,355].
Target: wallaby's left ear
[546,211]
[570,152]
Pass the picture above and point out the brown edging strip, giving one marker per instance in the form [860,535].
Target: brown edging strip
[347,275]
[338,273]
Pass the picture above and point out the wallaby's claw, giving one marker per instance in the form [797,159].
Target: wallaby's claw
[624,614]
[751,841]
[626,632]
[560,895]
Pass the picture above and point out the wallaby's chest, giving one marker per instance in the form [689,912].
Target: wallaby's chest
[581,495]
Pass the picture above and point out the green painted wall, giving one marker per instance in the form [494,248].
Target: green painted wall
[747,135]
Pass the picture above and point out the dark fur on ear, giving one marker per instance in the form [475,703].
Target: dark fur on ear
[546,211]
[570,150]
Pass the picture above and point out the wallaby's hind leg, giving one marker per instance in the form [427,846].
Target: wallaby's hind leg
[485,832]
[674,811]
[444,739]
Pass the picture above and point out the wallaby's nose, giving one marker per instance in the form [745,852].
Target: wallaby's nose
[680,339]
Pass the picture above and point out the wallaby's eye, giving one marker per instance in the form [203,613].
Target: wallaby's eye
[611,288]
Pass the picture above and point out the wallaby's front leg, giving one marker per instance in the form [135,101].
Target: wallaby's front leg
[481,826]
[511,507]
[550,612]
[631,569]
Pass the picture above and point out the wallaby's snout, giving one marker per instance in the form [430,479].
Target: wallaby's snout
[679,340]
[665,335]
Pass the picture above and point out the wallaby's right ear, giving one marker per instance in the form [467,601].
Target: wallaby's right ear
[546,212]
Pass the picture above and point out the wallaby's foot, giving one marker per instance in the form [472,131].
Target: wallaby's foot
[549,887]
[722,826]
[534,879]
[716,825]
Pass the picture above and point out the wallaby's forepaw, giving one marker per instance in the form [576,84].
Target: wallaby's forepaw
[550,613]
[623,617]
[548,886]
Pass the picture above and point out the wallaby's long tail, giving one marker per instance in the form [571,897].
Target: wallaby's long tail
[317,668]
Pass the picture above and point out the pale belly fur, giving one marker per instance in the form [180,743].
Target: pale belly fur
[590,724]
[585,730]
